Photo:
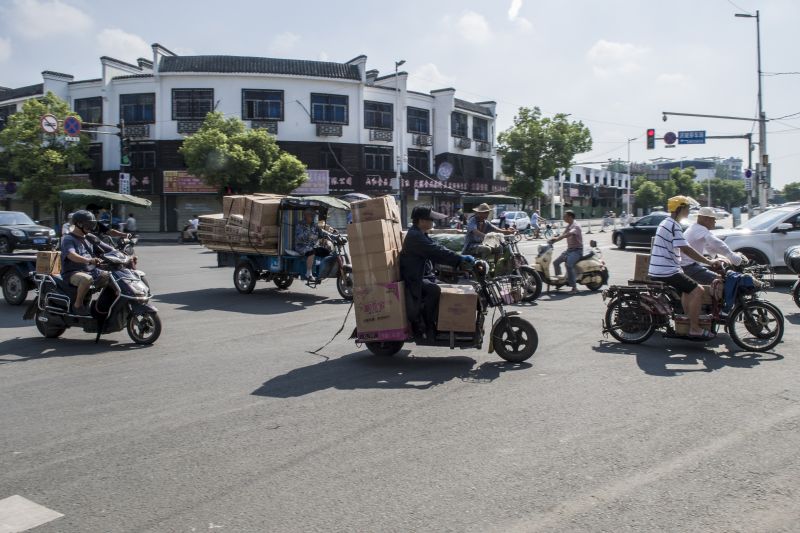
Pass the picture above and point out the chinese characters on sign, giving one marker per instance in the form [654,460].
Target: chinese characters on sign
[179,181]
[692,137]
[318,182]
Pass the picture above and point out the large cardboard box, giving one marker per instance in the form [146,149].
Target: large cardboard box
[381,208]
[232,205]
[642,265]
[381,312]
[48,263]
[458,308]
[373,236]
[262,211]
[373,269]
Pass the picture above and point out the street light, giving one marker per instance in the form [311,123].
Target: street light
[399,143]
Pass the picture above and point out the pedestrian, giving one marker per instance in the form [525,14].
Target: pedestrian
[130,224]
[574,251]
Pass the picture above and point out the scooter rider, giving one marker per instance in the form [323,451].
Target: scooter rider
[700,238]
[78,250]
[665,264]
[416,270]
[574,235]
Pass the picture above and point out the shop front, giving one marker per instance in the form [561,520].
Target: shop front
[185,197]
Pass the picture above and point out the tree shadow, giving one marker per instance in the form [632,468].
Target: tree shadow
[363,370]
[794,318]
[675,358]
[21,349]
[261,302]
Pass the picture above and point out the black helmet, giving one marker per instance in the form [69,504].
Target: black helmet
[84,220]
[425,212]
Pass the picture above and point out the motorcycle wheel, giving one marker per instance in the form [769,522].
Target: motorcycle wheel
[548,233]
[244,278]
[283,281]
[384,349]
[796,294]
[531,283]
[514,339]
[14,288]
[628,322]
[755,326]
[529,235]
[344,284]
[144,327]
[128,249]
[46,330]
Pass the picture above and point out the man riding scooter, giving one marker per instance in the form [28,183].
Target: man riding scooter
[79,264]
[574,251]
[702,240]
[416,270]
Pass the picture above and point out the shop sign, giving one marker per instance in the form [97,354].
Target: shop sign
[318,183]
[181,182]
[341,184]
[141,184]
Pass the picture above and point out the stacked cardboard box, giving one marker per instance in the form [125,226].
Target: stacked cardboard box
[458,309]
[379,296]
[48,263]
[247,224]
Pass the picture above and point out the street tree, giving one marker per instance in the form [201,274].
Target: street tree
[722,172]
[727,193]
[42,161]
[536,148]
[648,195]
[229,156]
[684,179]
[791,191]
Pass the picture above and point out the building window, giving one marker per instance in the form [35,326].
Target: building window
[143,156]
[331,158]
[458,125]
[480,129]
[137,108]
[95,153]
[420,160]
[479,175]
[192,104]
[378,158]
[419,120]
[262,105]
[90,109]
[378,115]
[5,112]
[329,108]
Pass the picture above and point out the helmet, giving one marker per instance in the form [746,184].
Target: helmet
[84,220]
[425,212]
[676,202]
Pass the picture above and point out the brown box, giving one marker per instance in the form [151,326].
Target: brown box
[48,263]
[381,311]
[232,205]
[373,269]
[373,236]
[707,292]
[458,308]
[642,265]
[381,208]
[262,210]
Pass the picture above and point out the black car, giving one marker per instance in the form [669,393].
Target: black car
[18,231]
[641,232]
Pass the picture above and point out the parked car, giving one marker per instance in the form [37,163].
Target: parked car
[764,238]
[721,213]
[19,232]
[641,232]
[518,219]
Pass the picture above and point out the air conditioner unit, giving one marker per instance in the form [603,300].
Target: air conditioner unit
[420,139]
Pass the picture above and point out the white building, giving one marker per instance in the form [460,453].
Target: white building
[589,192]
[335,117]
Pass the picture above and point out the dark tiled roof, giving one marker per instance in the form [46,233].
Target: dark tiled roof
[61,74]
[420,94]
[132,76]
[22,92]
[119,62]
[259,65]
[93,80]
[469,106]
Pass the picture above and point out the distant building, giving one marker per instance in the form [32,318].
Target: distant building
[589,192]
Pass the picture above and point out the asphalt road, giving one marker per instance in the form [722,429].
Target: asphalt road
[229,424]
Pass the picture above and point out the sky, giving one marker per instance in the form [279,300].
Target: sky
[613,64]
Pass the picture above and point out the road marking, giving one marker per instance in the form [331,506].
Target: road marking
[20,514]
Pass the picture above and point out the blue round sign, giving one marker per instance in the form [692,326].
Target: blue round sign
[670,137]
[72,126]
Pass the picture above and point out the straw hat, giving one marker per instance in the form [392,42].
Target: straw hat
[706,212]
[482,208]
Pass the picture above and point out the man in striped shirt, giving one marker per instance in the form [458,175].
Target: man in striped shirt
[665,264]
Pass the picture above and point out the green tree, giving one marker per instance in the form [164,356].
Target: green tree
[648,194]
[722,172]
[226,154]
[791,191]
[727,193]
[535,148]
[42,161]
[684,179]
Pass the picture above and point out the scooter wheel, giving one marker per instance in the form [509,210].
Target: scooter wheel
[144,328]
[384,349]
[45,329]
[796,294]
[531,283]
[515,339]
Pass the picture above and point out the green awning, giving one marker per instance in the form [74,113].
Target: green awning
[314,201]
[87,196]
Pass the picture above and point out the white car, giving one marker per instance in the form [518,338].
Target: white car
[517,219]
[765,237]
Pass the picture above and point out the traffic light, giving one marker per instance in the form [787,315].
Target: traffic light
[651,139]
[124,148]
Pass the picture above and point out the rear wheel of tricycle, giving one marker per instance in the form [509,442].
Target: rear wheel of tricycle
[628,321]
[244,278]
[283,281]
[15,288]
[385,349]
[344,283]
[515,339]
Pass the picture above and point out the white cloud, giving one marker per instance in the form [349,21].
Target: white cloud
[122,45]
[45,19]
[609,58]
[474,27]
[283,43]
[428,77]
[672,79]
[5,49]
[513,9]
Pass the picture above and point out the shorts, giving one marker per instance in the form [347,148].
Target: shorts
[680,282]
[99,282]
[700,274]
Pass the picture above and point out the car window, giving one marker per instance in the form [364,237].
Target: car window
[646,221]
[8,219]
[511,215]
[794,220]
[765,220]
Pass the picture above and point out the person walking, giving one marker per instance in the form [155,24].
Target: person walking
[574,251]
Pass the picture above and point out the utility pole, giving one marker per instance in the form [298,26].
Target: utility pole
[399,143]
[630,177]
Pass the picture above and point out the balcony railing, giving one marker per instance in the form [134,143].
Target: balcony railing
[483,146]
[329,130]
[188,127]
[380,135]
[270,125]
[462,142]
[420,139]
[137,131]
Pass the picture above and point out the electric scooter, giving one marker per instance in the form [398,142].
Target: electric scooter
[590,270]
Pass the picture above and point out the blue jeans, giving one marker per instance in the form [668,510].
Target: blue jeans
[569,256]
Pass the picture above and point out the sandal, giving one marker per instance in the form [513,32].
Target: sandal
[705,336]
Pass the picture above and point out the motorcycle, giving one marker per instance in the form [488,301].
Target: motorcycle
[512,337]
[590,270]
[336,265]
[123,304]
[635,312]
[791,258]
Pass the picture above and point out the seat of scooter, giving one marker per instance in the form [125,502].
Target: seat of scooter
[64,286]
[587,256]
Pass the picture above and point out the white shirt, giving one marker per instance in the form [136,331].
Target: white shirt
[665,257]
[702,240]
[194,222]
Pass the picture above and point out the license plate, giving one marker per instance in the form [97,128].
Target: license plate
[39,241]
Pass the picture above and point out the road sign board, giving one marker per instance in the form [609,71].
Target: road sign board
[72,126]
[72,139]
[692,137]
[49,123]
[748,173]
[124,183]
[670,137]
[748,184]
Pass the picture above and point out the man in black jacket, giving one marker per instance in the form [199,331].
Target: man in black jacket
[416,270]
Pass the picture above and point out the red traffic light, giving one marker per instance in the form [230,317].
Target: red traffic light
[651,138]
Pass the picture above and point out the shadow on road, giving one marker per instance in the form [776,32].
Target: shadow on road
[25,349]
[793,318]
[667,360]
[260,302]
[362,370]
